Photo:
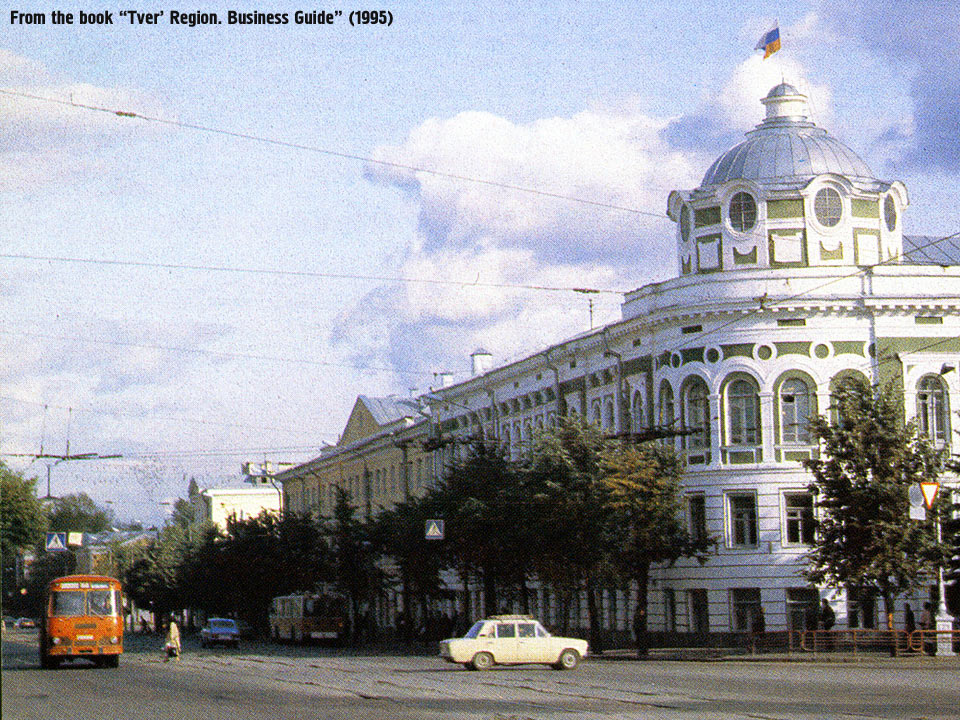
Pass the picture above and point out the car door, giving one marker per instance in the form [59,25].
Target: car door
[529,647]
[506,645]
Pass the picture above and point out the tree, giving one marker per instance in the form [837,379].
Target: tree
[486,514]
[354,572]
[78,513]
[22,524]
[570,504]
[22,519]
[869,458]
[643,487]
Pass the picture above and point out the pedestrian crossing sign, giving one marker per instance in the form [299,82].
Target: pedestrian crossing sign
[56,542]
[434,530]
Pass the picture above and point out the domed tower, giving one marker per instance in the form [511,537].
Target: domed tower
[788,196]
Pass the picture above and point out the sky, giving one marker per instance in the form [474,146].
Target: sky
[299,214]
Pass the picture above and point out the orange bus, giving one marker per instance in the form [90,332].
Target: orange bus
[82,618]
[306,617]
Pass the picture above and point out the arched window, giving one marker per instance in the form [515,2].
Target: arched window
[743,413]
[743,212]
[798,405]
[696,413]
[666,415]
[828,207]
[636,412]
[933,416]
[609,415]
[596,412]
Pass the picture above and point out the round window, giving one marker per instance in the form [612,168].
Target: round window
[743,212]
[890,213]
[828,207]
[685,223]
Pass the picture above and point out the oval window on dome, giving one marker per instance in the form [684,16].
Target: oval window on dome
[685,223]
[743,212]
[828,207]
[890,213]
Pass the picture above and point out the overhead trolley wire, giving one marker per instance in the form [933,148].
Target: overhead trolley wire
[331,153]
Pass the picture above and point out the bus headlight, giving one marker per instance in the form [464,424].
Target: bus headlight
[114,640]
[56,641]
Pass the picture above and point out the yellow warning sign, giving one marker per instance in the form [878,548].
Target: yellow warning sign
[929,490]
[434,530]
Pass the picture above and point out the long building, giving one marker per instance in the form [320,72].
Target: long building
[792,273]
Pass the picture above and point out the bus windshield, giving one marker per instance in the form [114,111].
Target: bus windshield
[77,603]
[66,603]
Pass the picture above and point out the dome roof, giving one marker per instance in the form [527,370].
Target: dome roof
[786,147]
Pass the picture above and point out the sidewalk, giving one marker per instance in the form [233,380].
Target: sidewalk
[714,654]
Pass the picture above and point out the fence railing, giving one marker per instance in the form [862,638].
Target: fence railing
[896,642]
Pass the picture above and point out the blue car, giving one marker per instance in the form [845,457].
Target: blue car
[220,631]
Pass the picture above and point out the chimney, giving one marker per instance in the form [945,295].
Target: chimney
[480,361]
[445,377]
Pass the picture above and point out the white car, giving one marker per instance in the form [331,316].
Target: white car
[512,640]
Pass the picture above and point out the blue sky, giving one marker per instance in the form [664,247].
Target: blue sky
[187,372]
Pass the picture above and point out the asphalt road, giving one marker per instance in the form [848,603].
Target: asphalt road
[267,682]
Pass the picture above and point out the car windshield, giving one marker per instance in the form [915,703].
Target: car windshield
[475,630]
[223,625]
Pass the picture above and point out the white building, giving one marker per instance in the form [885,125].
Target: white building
[792,272]
[217,505]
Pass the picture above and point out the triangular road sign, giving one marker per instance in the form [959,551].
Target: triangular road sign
[434,530]
[56,542]
[929,490]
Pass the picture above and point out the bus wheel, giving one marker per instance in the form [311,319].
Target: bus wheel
[111,661]
[49,663]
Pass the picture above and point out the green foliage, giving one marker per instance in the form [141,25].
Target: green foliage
[22,519]
[869,459]
[78,513]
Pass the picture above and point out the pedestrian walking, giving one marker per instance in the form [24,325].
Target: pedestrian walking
[909,621]
[172,641]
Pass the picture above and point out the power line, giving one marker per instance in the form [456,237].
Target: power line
[308,274]
[333,153]
[215,353]
[121,413]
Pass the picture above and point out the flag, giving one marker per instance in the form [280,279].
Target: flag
[769,42]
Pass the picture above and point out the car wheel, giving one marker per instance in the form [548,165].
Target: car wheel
[482,661]
[568,660]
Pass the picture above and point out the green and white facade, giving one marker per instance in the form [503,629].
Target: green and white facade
[791,272]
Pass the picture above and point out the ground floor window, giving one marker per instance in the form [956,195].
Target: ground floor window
[699,611]
[744,609]
[670,610]
[861,608]
[802,608]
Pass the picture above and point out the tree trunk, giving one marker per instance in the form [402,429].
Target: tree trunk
[640,611]
[593,611]
[524,594]
[888,607]
[489,594]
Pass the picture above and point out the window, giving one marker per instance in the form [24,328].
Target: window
[685,223]
[696,414]
[828,207]
[743,519]
[890,213]
[743,212]
[798,512]
[666,404]
[743,406]
[697,517]
[796,402]
[669,610]
[744,608]
[861,608]
[699,611]
[506,630]
[637,412]
[803,607]
[932,412]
